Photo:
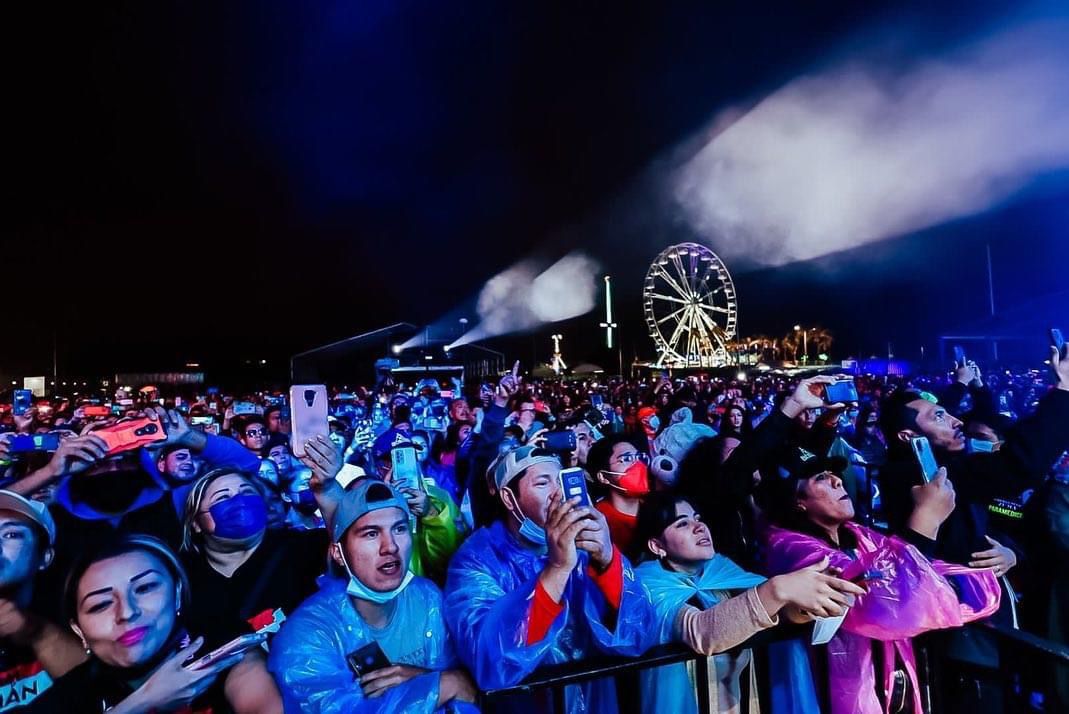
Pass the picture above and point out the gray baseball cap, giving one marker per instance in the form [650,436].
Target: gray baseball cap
[364,496]
[35,511]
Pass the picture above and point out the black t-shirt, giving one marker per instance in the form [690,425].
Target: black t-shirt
[92,687]
[280,574]
[22,678]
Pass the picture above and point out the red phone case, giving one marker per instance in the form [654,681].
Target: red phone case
[127,435]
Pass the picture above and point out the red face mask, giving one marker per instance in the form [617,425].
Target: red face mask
[634,482]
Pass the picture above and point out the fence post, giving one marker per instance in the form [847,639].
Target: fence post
[701,683]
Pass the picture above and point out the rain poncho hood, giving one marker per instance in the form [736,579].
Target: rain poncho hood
[489,591]
[308,656]
[914,596]
[670,688]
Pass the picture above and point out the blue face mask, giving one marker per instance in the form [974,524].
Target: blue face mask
[239,517]
[529,529]
[655,422]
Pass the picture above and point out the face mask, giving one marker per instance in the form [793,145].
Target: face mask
[358,590]
[634,482]
[239,517]
[528,528]
[655,422]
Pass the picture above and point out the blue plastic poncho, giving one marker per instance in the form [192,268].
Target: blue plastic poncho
[489,590]
[308,654]
[670,688]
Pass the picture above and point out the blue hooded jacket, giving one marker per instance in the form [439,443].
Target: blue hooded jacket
[308,656]
[489,591]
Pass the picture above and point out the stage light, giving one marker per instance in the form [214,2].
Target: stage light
[396,349]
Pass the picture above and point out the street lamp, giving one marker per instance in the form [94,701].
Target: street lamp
[805,343]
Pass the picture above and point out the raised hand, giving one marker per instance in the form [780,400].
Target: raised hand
[324,458]
[932,504]
[594,538]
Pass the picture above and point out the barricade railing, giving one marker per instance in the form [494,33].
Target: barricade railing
[558,676]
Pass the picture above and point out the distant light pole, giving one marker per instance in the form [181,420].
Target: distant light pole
[805,342]
[558,361]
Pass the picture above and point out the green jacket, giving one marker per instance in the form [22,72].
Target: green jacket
[436,536]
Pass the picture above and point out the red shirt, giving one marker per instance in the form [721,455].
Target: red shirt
[622,527]
[544,609]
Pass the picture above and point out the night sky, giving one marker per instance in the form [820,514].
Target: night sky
[199,182]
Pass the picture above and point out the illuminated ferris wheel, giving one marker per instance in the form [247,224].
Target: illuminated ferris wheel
[690,305]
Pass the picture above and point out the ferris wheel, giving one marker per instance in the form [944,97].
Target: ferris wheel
[690,305]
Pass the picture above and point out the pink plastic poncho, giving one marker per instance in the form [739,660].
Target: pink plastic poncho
[914,596]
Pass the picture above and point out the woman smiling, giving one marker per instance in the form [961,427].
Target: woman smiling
[125,603]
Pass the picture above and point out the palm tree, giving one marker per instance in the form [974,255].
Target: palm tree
[792,344]
[821,339]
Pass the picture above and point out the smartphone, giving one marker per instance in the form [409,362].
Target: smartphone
[367,659]
[560,440]
[235,646]
[308,403]
[24,443]
[596,400]
[959,355]
[573,483]
[92,411]
[922,450]
[843,390]
[1057,340]
[244,408]
[202,420]
[130,434]
[824,628]
[406,473]
[22,402]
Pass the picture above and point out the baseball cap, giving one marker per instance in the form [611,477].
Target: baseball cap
[512,463]
[794,465]
[365,496]
[36,512]
[389,439]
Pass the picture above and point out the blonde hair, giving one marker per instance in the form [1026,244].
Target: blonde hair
[191,540]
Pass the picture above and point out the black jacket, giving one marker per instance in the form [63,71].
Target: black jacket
[1028,453]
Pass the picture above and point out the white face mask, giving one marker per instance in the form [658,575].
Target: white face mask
[358,590]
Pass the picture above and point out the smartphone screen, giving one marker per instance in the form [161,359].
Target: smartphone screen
[923,451]
[1057,339]
[842,391]
[406,473]
[308,405]
[959,355]
[573,484]
[22,402]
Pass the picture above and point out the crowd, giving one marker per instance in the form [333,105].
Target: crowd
[201,561]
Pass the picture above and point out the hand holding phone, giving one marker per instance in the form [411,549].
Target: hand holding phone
[922,451]
[367,659]
[22,402]
[573,484]
[236,646]
[130,434]
[405,472]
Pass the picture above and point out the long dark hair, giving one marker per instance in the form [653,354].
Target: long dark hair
[121,545]
[657,512]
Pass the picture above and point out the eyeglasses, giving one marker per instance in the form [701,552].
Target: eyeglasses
[253,433]
[631,457]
